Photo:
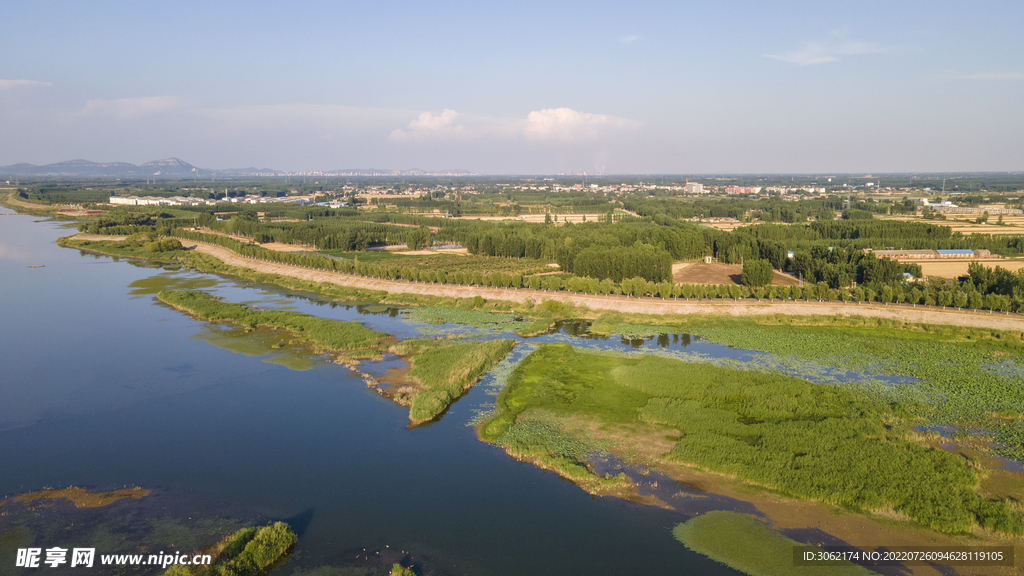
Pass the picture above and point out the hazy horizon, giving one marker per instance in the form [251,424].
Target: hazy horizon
[519,89]
[221,172]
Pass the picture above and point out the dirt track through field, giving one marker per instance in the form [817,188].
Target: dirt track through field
[903,313]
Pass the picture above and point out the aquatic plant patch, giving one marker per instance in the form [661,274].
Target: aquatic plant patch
[744,544]
[479,319]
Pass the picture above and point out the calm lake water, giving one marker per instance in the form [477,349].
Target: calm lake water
[104,387]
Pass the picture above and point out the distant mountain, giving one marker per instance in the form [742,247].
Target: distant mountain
[70,168]
[169,168]
[176,168]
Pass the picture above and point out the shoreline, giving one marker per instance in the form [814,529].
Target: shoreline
[784,513]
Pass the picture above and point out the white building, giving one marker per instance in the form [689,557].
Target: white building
[694,188]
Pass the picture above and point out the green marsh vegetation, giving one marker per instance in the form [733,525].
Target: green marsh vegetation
[248,552]
[744,544]
[969,376]
[322,333]
[823,442]
[444,370]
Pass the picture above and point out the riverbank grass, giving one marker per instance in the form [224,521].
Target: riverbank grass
[322,333]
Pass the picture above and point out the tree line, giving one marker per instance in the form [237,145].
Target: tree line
[984,289]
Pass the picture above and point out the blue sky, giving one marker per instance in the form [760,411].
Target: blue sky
[518,88]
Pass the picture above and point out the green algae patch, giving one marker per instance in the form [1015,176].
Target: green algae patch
[276,346]
[744,544]
[170,281]
[320,332]
[815,441]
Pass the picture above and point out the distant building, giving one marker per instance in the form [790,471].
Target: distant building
[943,204]
[155,201]
[694,188]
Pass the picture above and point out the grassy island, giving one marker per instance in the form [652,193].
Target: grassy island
[322,333]
[441,372]
[248,552]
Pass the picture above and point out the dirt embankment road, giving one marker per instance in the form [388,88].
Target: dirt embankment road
[902,313]
[99,237]
[10,200]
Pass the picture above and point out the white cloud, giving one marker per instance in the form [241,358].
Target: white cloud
[563,124]
[568,124]
[819,53]
[628,39]
[429,125]
[995,76]
[8,84]
[130,108]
